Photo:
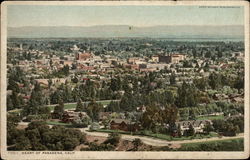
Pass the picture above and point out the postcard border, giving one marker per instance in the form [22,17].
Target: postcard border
[116,154]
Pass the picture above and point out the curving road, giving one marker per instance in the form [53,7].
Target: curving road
[159,142]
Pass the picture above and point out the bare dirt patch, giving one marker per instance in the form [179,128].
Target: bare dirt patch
[20,126]
[95,139]
[124,145]
[78,148]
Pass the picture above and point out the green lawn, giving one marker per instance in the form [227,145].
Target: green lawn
[58,123]
[111,131]
[209,142]
[211,117]
[170,138]
[68,106]
[216,145]
[73,106]
[15,111]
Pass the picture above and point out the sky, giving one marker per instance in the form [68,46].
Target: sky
[42,15]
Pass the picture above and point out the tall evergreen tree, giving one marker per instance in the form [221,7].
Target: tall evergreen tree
[59,109]
[79,106]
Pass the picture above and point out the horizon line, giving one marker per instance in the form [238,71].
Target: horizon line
[144,26]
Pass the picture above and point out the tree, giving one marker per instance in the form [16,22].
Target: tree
[214,80]
[65,70]
[113,106]
[44,110]
[239,82]
[208,54]
[81,122]
[129,102]
[169,114]
[12,85]
[201,83]
[70,143]
[172,79]
[150,118]
[50,83]
[137,142]
[36,101]
[187,96]
[59,109]
[113,139]
[179,133]
[220,54]
[169,97]
[10,105]
[93,110]
[115,84]
[79,106]
[208,128]
[16,101]
[190,131]
[22,144]
[192,115]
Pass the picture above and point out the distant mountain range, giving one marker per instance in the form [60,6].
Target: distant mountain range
[178,31]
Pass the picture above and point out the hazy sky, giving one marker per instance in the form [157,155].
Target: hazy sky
[34,15]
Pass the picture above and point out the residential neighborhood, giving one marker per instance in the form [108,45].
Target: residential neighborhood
[168,91]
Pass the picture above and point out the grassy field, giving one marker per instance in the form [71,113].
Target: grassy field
[211,117]
[217,145]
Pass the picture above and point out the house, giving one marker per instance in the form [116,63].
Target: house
[104,115]
[70,116]
[132,66]
[43,82]
[94,126]
[198,125]
[124,125]
[147,69]
[173,58]
[66,62]
[155,58]
[237,100]
[141,109]
[176,58]
[136,60]
[75,48]
[83,56]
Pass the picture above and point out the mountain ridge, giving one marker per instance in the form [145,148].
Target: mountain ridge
[160,31]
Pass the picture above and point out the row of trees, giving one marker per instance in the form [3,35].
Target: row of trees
[229,127]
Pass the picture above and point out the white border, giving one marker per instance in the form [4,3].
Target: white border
[117,154]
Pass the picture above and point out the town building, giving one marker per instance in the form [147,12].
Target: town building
[83,56]
[173,58]
[124,125]
[198,125]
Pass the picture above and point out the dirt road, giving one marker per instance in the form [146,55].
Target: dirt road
[159,142]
